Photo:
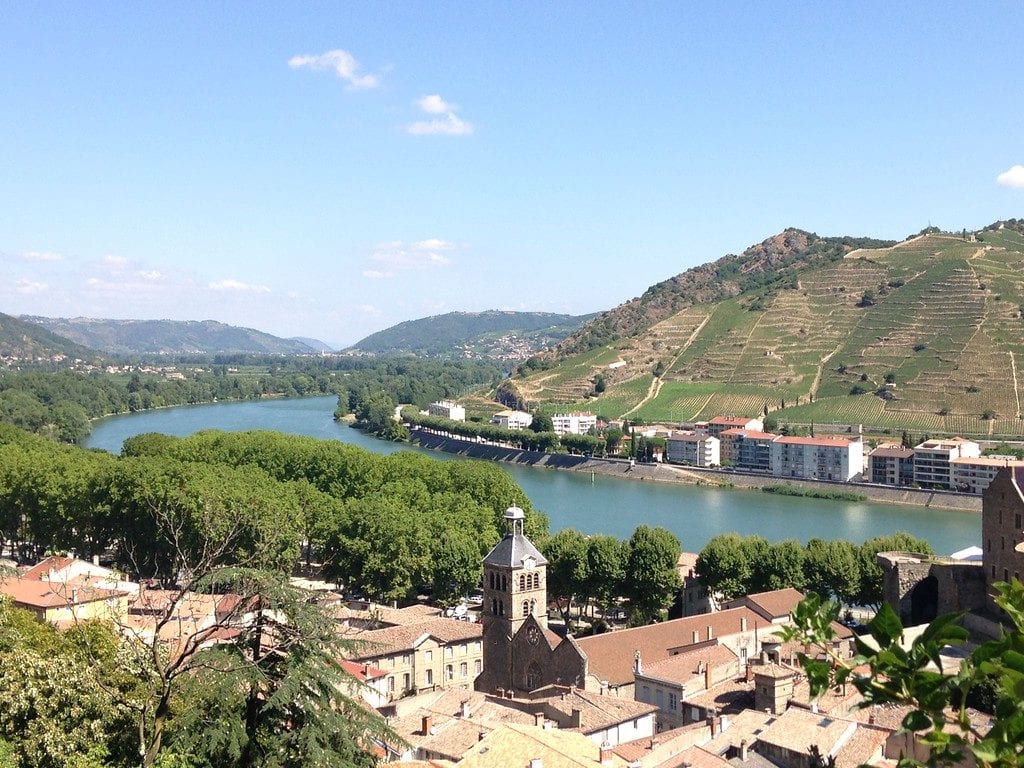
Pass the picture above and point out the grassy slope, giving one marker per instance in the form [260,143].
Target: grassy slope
[945,323]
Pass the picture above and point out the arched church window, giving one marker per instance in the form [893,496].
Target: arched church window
[536,581]
[491,574]
[533,607]
[494,607]
[522,581]
[526,608]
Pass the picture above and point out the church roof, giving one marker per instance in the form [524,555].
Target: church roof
[512,550]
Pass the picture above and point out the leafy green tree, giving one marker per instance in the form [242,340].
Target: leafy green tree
[651,576]
[724,565]
[780,566]
[566,553]
[937,702]
[606,561]
[541,423]
[456,566]
[833,568]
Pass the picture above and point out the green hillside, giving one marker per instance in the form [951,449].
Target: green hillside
[24,344]
[926,334]
[491,335]
[168,337]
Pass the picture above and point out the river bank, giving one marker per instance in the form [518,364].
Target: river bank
[670,473]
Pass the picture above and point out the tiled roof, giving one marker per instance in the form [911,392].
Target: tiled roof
[750,433]
[597,712]
[382,642]
[798,729]
[44,566]
[610,656]
[512,746]
[777,603]
[362,672]
[46,594]
[683,667]
[823,442]
[734,420]
[668,742]
[743,726]
[512,550]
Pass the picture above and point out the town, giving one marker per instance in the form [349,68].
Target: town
[498,684]
[732,443]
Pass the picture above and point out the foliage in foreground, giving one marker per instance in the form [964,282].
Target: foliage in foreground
[911,677]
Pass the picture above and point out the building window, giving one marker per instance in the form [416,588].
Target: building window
[526,608]
[491,575]
[1006,574]
[672,701]
[522,581]
[463,669]
[449,672]
[391,684]
[428,655]
[1016,521]
[494,607]
[478,666]
[428,677]
[477,645]
[405,682]
[449,651]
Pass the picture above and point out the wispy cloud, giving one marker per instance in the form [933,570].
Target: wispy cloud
[237,285]
[30,286]
[342,63]
[368,309]
[41,256]
[1012,178]
[447,122]
[377,274]
[423,254]
[115,261]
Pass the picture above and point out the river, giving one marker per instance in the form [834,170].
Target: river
[592,505]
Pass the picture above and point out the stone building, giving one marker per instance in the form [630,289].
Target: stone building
[1002,528]
[520,653]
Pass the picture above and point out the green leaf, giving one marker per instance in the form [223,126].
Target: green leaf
[916,720]
[886,627]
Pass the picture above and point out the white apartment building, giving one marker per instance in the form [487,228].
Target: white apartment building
[573,423]
[512,419]
[720,424]
[817,458]
[447,409]
[972,475]
[696,450]
[932,459]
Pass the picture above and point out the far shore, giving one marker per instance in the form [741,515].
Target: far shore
[672,473]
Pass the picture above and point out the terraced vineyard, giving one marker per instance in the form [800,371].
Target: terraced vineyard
[926,335]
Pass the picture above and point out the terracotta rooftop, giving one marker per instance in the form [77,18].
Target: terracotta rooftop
[41,569]
[893,452]
[512,746]
[743,726]
[738,421]
[45,594]
[597,712]
[824,441]
[751,433]
[610,656]
[363,672]
[382,642]
[687,666]
[775,604]
[796,730]
[648,749]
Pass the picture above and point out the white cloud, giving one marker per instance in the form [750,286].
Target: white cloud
[423,254]
[115,261]
[1012,178]
[377,274]
[41,256]
[342,63]
[449,124]
[150,274]
[237,285]
[368,309]
[30,286]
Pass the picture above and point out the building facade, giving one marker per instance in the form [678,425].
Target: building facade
[817,458]
[447,409]
[932,461]
[573,423]
[512,419]
[891,465]
[695,450]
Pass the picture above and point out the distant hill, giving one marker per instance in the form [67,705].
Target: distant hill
[315,344]
[491,335]
[169,337]
[926,334]
[23,343]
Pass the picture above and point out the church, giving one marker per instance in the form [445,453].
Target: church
[520,653]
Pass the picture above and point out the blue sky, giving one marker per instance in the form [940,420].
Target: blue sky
[331,169]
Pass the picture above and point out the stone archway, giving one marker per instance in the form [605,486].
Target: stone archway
[924,601]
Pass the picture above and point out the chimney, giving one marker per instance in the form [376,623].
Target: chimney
[712,723]
[743,623]
[604,687]
[606,753]
[96,560]
[510,694]
[711,632]
[577,718]
[637,665]
[538,719]
[500,693]
[464,709]
[426,723]
[480,736]
[707,677]
[750,673]
[536,763]
[743,750]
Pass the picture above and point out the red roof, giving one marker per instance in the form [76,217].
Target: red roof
[739,421]
[363,672]
[43,567]
[45,594]
[751,433]
[824,442]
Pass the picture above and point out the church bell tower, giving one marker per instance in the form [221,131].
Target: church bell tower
[515,588]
